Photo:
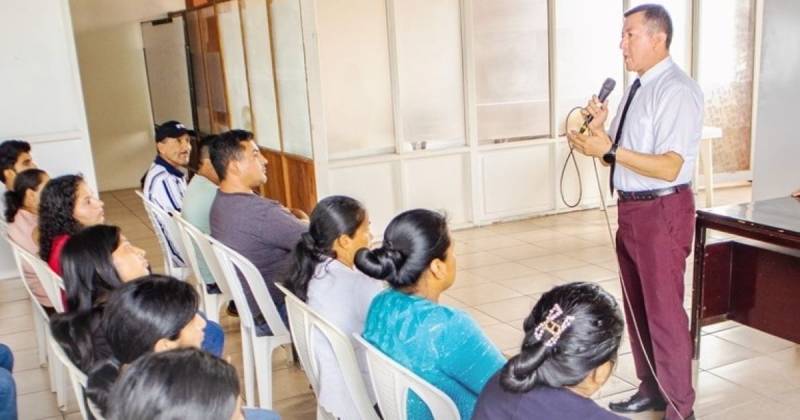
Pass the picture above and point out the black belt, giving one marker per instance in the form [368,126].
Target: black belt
[650,194]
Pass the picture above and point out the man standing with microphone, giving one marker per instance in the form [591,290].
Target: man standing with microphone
[652,148]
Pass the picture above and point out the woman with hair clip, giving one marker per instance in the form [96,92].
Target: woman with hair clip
[570,347]
[22,215]
[96,261]
[184,383]
[324,275]
[67,205]
[442,345]
[151,314]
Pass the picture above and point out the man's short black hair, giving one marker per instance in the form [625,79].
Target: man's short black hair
[9,153]
[227,147]
[657,19]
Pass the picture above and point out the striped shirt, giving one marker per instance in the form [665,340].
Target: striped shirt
[165,186]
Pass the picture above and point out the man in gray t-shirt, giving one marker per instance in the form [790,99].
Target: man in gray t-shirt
[262,230]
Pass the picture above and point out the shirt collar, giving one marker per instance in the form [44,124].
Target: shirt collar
[655,71]
[171,169]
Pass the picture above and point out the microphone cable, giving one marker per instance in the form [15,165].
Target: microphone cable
[571,155]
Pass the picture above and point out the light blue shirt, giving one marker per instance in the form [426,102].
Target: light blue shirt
[665,115]
[197,210]
[442,345]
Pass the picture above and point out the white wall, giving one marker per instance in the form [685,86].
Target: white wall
[41,91]
[112,66]
[777,148]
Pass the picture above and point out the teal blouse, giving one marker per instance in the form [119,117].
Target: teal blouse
[442,345]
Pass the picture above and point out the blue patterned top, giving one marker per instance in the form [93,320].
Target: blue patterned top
[442,345]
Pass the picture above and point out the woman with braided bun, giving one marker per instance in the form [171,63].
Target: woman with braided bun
[442,345]
[324,276]
[570,347]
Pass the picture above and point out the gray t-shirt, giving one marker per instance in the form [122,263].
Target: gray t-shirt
[262,231]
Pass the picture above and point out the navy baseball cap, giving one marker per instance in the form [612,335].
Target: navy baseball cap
[171,129]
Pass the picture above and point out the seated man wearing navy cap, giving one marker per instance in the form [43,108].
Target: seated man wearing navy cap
[165,182]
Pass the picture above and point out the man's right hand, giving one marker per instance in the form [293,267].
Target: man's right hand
[796,194]
[599,112]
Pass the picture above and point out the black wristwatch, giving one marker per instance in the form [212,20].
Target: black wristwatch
[611,155]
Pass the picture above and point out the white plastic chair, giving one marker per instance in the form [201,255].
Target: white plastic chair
[303,321]
[391,383]
[158,218]
[53,286]
[256,351]
[40,318]
[198,248]
[77,378]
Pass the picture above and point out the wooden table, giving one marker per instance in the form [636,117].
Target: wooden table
[753,279]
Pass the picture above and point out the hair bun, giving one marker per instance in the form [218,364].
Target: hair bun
[380,263]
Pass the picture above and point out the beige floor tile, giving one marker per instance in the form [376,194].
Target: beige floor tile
[493,242]
[714,394]
[502,271]
[465,278]
[595,254]
[301,407]
[481,318]
[38,405]
[521,252]
[566,244]
[508,309]
[761,408]
[15,309]
[613,386]
[472,234]
[16,324]
[452,302]
[478,259]
[19,341]
[14,295]
[716,352]
[763,375]
[504,336]
[536,236]
[530,284]
[31,380]
[480,294]
[511,228]
[551,263]
[26,360]
[754,339]
[590,273]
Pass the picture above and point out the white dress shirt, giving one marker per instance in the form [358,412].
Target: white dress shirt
[342,296]
[666,115]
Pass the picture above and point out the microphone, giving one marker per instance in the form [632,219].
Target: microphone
[605,90]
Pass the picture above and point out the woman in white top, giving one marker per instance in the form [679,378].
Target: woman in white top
[324,276]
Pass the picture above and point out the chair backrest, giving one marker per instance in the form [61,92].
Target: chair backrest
[164,225]
[51,282]
[232,264]
[303,322]
[20,267]
[391,383]
[198,248]
[76,376]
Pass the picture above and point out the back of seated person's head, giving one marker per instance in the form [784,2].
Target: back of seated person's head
[186,383]
[204,165]
[571,340]
[28,186]
[338,228]
[151,314]
[15,157]
[235,154]
[414,242]
[66,206]
[97,260]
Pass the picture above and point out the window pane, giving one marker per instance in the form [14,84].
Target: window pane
[511,69]
[588,53]
[356,84]
[199,82]
[680,11]
[428,38]
[725,73]
[259,73]
[287,36]
[238,98]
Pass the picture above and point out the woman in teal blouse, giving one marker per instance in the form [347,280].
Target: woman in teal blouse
[442,345]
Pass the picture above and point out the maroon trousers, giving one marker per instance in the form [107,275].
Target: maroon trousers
[653,241]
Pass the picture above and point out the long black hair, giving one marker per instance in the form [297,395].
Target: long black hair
[411,242]
[332,217]
[137,315]
[591,339]
[29,179]
[182,383]
[89,277]
[56,208]
[88,267]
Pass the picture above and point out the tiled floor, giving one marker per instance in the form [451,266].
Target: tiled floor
[503,269]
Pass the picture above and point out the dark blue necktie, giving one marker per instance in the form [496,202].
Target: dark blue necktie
[618,137]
